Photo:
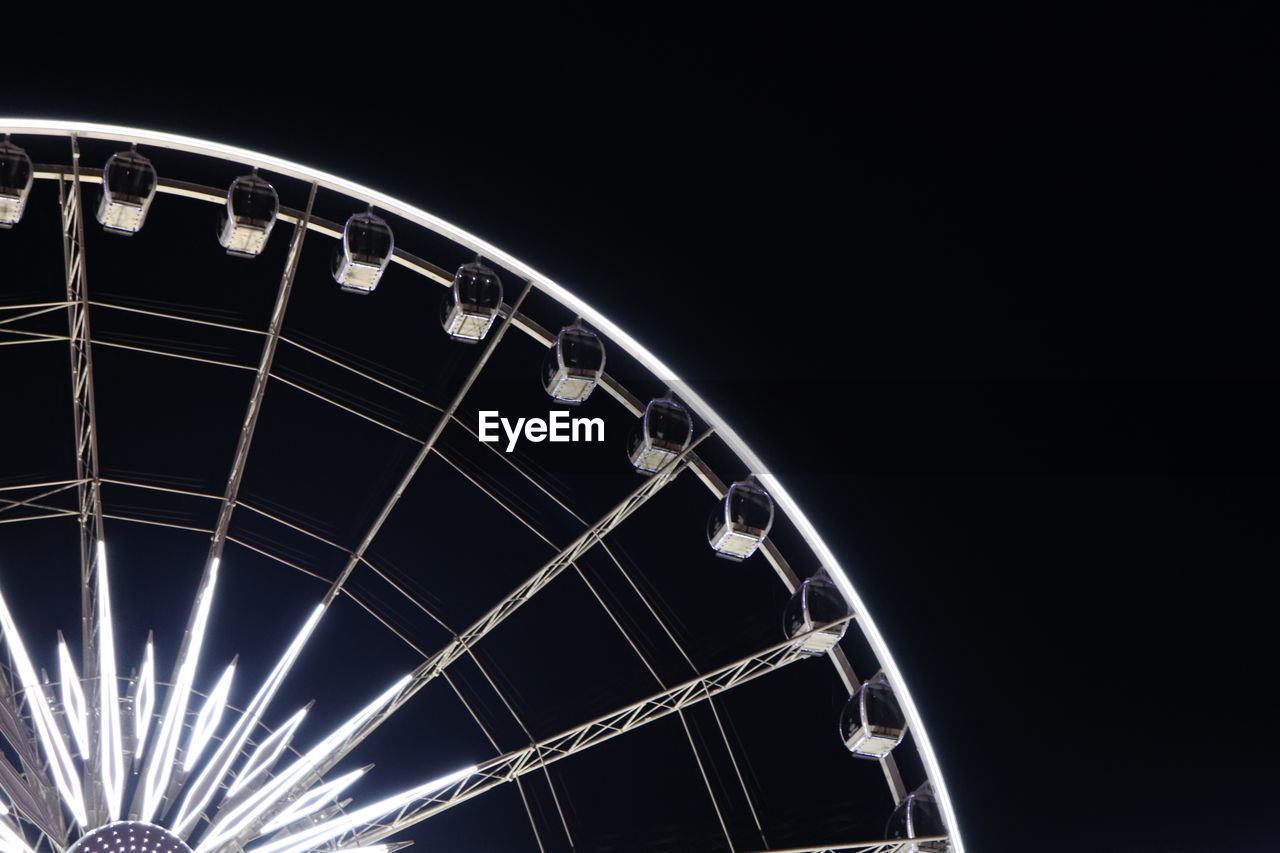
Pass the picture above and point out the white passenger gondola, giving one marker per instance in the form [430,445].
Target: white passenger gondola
[817,603]
[918,816]
[16,175]
[664,432]
[250,214]
[740,524]
[573,364]
[472,303]
[364,252]
[872,722]
[128,186]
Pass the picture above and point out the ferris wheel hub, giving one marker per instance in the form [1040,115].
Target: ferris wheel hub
[129,836]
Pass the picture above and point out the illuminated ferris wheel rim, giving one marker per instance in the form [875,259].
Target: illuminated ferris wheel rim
[827,559]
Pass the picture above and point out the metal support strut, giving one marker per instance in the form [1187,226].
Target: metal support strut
[505,768]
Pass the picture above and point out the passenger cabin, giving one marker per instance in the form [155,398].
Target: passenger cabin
[16,175]
[741,522]
[573,364]
[128,186]
[816,604]
[662,434]
[250,214]
[472,304]
[918,816]
[364,252]
[872,722]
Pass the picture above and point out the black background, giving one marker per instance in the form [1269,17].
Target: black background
[989,291]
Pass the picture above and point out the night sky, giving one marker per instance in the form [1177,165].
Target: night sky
[988,293]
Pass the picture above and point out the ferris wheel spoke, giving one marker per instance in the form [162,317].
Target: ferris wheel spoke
[16,732]
[254,407]
[159,786]
[71,204]
[337,825]
[445,417]
[11,838]
[27,802]
[109,758]
[458,646]
[61,767]
[639,653]
[504,768]
[368,608]
[158,766]
[245,819]
[567,557]
[144,700]
[201,792]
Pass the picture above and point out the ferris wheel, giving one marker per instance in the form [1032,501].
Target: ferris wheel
[309,431]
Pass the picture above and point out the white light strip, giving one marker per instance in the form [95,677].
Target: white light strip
[201,792]
[73,704]
[266,754]
[144,702]
[55,749]
[602,324]
[210,716]
[160,763]
[110,739]
[309,839]
[228,826]
[312,801]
